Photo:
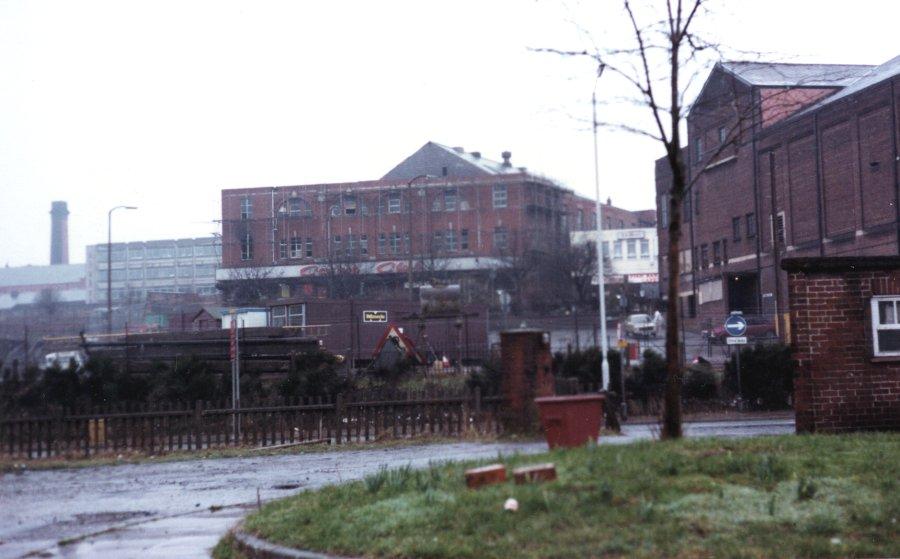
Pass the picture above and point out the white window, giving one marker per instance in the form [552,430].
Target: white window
[617,249]
[246,208]
[394,203]
[279,316]
[247,247]
[645,248]
[296,247]
[886,326]
[500,196]
[450,198]
[296,315]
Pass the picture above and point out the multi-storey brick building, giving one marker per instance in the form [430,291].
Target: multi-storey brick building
[785,160]
[443,211]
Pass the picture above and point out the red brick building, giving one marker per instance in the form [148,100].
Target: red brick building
[443,211]
[787,160]
[845,336]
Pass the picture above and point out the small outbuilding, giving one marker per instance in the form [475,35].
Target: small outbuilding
[845,335]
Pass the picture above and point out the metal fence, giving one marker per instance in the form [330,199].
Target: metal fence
[158,428]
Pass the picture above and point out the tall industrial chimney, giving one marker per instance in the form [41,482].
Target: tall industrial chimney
[59,233]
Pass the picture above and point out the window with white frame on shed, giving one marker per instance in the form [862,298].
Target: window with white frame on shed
[886,326]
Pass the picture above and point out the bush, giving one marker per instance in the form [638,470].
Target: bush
[700,382]
[586,367]
[649,379]
[314,374]
[767,375]
[488,378]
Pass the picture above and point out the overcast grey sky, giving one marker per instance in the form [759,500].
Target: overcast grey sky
[162,104]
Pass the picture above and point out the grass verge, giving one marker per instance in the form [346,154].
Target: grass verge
[808,496]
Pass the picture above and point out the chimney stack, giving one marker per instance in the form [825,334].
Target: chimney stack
[506,155]
[59,233]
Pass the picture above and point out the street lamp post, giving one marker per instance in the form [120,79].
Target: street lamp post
[409,270]
[109,264]
[604,345]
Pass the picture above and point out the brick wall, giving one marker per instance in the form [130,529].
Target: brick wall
[840,384]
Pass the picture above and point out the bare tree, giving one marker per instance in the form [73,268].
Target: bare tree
[658,68]
[249,285]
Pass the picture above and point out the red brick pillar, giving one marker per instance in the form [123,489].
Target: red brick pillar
[527,374]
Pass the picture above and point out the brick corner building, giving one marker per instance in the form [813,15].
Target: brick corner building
[845,333]
[784,161]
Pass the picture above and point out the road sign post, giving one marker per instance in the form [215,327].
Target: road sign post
[736,327]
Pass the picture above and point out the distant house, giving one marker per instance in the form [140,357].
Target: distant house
[207,318]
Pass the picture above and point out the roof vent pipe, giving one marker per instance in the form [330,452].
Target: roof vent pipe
[476,154]
[506,155]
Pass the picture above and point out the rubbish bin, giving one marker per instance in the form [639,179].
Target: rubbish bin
[571,421]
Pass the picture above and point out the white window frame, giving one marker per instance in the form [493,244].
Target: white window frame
[296,247]
[278,316]
[292,314]
[394,203]
[246,208]
[877,326]
[500,196]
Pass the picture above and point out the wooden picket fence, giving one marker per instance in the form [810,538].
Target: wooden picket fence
[160,428]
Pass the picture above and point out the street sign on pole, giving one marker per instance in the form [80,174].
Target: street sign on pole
[736,340]
[735,325]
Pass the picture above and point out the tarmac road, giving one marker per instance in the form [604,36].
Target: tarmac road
[181,509]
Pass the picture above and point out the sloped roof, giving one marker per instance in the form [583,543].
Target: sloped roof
[487,165]
[779,74]
[23,276]
[872,76]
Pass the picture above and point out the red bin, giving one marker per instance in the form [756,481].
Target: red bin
[571,421]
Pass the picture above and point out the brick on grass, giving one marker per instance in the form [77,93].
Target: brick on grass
[537,472]
[485,475]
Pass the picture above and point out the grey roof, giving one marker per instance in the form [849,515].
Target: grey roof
[487,165]
[874,75]
[779,74]
[23,276]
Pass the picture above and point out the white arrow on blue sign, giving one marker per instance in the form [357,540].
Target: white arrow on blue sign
[735,325]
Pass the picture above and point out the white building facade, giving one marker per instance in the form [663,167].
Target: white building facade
[166,266]
[631,254]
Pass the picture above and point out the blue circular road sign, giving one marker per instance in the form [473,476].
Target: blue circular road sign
[735,325]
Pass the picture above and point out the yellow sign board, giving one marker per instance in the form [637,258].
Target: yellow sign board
[375,316]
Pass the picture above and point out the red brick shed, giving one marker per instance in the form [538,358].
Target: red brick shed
[845,333]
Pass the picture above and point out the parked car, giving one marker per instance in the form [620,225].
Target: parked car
[637,325]
[758,327]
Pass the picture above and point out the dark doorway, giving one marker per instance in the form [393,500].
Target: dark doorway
[743,293]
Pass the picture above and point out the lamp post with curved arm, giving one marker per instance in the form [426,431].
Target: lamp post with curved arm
[109,264]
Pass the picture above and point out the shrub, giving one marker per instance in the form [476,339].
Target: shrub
[488,378]
[586,366]
[700,381]
[649,379]
[767,375]
[314,374]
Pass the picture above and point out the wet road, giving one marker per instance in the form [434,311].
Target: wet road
[181,509]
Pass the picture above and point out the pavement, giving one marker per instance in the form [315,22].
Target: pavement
[181,509]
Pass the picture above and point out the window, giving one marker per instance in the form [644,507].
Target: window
[579,221]
[205,270]
[184,272]
[395,243]
[500,196]
[723,135]
[297,207]
[663,211]
[282,249]
[450,199]
[605,248]
[736,228]
[117,275]
[135,253]
[351,244]
[437,244]
[138,273]
[382,243]
[717,253]
[645,249]
[704,257]
[297,315]
[779,236]
[246,207]
[247,247]
[350,205]
[751,225]
[336,244]
[698,149]
[364,244]
[885,326]
[617,250]
[436,204]
[163,272]
[309,247]
[279,316]
[183,252]
[394,203]
[725,252]
[501,238]
[451,240]
[464,239]
[296,247]
[632,249]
